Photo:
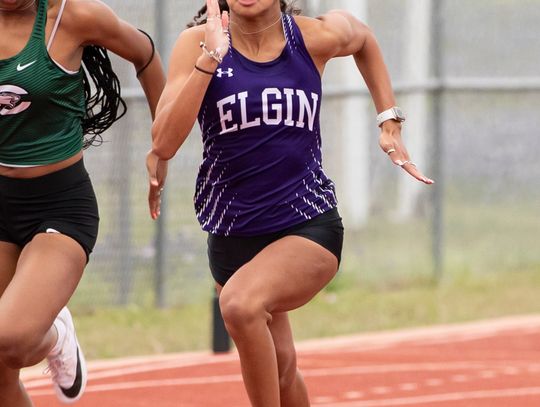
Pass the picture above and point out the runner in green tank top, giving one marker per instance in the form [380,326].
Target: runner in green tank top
[48,211]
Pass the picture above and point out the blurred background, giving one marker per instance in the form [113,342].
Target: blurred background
[466,74]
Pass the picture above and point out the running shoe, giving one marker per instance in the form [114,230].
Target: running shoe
[68,367]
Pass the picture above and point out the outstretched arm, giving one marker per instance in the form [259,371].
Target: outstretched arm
[101,26]
[338,34]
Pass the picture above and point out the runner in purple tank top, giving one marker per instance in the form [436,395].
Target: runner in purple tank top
[250,72]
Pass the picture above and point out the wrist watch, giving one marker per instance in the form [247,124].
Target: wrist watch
[394,113]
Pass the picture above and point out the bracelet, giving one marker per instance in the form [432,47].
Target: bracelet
[140,71]
[204,71]
[215,54]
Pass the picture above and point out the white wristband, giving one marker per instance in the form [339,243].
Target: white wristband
[394,113]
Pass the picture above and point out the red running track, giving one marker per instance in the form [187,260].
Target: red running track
[489,363]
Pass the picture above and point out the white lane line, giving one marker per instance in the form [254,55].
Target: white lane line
[323,400]
[487,374]
[526,324]
[343,371]
[381,390]
[511,371]
[434,382]
[100,388]
[459,378]
[162,366]
[353,395]
[439,398]
[408,386]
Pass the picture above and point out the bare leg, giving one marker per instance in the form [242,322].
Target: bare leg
[292,389]
[11,390]
[282,277]
[47,273]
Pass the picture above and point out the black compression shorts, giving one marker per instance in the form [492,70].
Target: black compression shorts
[61,202]
[226,254]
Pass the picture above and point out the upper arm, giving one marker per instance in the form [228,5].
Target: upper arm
[183,57]
[97,24]
[334,34]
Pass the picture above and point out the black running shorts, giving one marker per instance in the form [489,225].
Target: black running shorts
[61,202]
[226,254]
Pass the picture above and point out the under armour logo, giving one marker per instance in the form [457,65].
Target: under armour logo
[229,72]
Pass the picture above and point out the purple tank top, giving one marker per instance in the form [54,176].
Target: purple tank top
[262,163]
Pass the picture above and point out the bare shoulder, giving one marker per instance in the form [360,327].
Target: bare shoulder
[332,33]
[89,17]
[189,39]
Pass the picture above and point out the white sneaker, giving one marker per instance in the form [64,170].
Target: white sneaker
[68,367]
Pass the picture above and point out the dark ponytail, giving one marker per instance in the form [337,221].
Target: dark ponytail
[104,104]
[287,7]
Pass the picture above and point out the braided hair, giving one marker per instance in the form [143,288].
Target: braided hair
[287,7]
[104,104]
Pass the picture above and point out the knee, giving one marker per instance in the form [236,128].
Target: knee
[241,311]
[15,346]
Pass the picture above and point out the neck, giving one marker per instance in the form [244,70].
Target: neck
[257,30]
[22,7]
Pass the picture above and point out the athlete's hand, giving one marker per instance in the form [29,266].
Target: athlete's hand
[216,29]
[392,144]
[157,173]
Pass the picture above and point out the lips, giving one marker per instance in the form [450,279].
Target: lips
[247,3]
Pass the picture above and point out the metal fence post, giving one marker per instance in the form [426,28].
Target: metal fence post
[221,341]
[161,238]
[438,143]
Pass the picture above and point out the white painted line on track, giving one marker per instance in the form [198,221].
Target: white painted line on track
[439,398]
[459,378]
[434,382]
[353,395]
[408,386]
[363,342]
[327,372]
[527,324]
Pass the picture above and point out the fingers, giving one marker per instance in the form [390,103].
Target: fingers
[225,21]
[211,7]
[154,201]
[410,167]
[157,173]
[401,159]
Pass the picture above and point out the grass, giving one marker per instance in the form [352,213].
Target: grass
[345,307]
[491,269]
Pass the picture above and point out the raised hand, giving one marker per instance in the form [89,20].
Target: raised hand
[217,26]
[392,144]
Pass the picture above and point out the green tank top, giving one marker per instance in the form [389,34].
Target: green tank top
[41,105]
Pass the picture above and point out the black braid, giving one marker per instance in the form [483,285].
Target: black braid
[287,7]
[104,104]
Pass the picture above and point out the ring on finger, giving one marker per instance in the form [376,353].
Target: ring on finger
[403,163]
[392,150]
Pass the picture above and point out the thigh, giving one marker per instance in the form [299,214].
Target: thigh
[284,275]
[47,273]
[9,255]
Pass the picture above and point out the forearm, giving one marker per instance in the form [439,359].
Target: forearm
[371,64]
[152,80]
[178,111]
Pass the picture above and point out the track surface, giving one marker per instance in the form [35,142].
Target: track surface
[489,363]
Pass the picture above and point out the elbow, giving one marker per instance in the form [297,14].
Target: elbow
[163,150]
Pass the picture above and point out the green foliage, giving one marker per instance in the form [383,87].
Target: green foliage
[347,306]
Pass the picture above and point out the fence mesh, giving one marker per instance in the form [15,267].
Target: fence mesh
[487,153]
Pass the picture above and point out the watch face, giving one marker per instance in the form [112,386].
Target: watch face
[399,114]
